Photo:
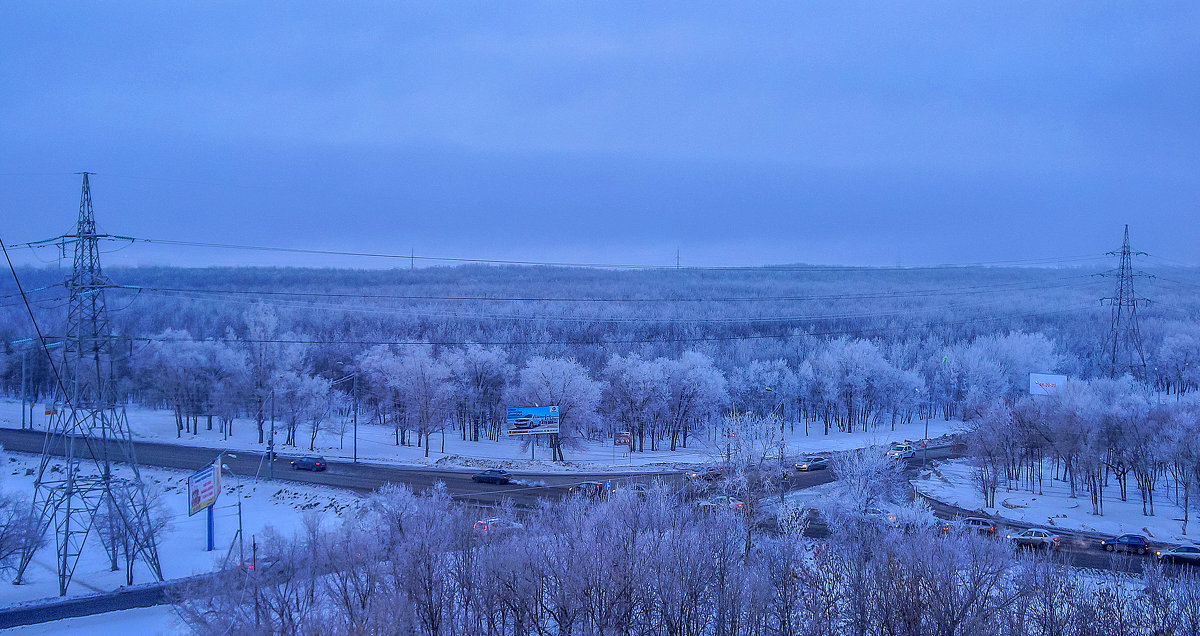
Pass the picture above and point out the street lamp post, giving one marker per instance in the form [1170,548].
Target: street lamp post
[353,378]
[240,535]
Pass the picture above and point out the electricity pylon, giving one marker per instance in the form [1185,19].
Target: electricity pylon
[1125,336]
[91,432]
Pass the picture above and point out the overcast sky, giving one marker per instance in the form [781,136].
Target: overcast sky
[746,133]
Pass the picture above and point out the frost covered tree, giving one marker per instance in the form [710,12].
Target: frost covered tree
[565,383]
[479,376]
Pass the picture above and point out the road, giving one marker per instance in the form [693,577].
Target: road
[360,477]
[366,477]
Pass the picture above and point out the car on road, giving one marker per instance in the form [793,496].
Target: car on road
[496,524]
[589,489]
[705,474]
[1039,538]
[313,462]
[492,476]
[902,451]
[1126,543]
[1183,554]
[812,462]
[971,524]
[721,502]
[638,489]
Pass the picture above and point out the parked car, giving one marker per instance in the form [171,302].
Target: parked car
[496,524]
[492,476]
[589,489]
[1185,554]
[902,451]
[1126,543]
[312,462]
[812,462]
[1036,538]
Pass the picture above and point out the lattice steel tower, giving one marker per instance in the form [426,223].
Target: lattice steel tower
[76,489]
[1125,337]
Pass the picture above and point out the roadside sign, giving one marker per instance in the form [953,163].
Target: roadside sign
[1045,383]
[531,420]
[622,439]
[204,486]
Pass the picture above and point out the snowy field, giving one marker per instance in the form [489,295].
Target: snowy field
[950,482]
[159,620]
[280,505]
[378,444]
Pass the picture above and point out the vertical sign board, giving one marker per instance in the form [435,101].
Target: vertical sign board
[1045,383]
[531,420]
[203,487]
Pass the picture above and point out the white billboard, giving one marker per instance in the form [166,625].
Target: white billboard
[532,420]
[1045,383]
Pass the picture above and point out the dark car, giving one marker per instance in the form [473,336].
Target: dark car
[812,462]
[706,474]
[492,476]
[313,463]
[589,489]
[638,489]
[1187,554]
[1126,543]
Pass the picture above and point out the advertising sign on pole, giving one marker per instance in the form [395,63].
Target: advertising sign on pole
[531,420]
[203,487]
[622,438]
[1045,383]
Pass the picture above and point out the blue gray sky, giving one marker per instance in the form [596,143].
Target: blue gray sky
[741,133]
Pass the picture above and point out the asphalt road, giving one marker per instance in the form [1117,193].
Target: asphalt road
[360,477]
[365,477]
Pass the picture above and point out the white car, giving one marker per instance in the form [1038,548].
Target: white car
[902,451]
[496,524]
[1036,538]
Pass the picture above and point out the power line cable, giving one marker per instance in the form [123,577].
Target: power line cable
[489,261]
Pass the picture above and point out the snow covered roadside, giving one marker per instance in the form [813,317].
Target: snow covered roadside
[950,482]
[159,620]
[281,505]
[377,444]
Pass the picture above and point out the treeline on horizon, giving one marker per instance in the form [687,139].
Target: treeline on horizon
[945,331]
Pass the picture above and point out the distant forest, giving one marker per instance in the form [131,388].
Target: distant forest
[937,332]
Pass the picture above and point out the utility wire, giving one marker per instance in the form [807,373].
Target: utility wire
[488,261]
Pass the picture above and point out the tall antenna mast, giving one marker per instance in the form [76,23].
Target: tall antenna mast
[91,432]
[1125,336]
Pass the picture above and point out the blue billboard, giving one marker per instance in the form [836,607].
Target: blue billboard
[531,420]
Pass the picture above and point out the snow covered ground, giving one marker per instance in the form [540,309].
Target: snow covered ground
[281,505]
[160,620]
[377,444]
[950,482]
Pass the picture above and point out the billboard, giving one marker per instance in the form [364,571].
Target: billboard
[203,487]
[623,438]
[1045,383]
[531,420]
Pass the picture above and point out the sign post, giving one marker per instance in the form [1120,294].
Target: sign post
[204,486]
